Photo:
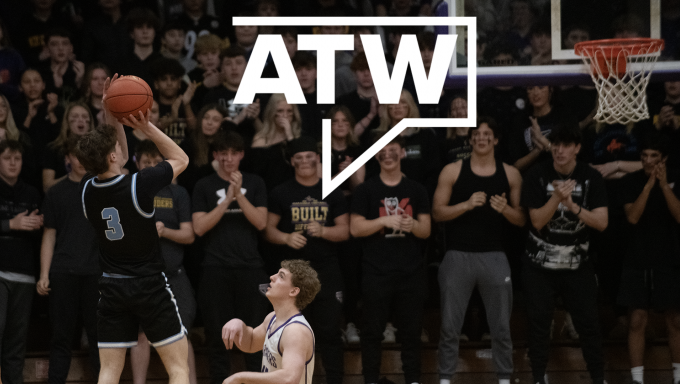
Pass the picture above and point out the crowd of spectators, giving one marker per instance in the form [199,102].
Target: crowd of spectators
[573,198]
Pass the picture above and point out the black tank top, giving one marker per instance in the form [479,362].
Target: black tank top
[128,239]
[481,229]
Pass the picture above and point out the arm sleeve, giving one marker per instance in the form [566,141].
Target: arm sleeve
[275,201]
[422,205]
[153,179]
[533,195]
[338,203]
[360,201]
[47,209]
[260,195]
[183,205]
[598,192]
[629,191]
[198,201]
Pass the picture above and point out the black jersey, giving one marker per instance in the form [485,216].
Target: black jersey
[122,212]
[481,229]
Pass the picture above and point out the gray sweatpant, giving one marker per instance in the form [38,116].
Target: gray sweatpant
[459,273]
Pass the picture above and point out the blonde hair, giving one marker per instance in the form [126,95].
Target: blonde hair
[269,124]
[351,138]
[386,121]
[60,142]
[11,130]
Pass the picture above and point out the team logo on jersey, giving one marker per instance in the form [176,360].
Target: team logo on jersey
[269,356]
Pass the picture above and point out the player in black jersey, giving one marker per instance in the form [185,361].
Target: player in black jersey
[133,289]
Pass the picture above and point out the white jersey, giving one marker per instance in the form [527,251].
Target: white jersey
[272,359]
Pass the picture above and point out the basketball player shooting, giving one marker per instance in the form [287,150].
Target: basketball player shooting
[285,337]
[133,289]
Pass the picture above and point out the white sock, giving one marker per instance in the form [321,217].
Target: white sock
[676,373]
[444,381]
[503,381]
[638,374]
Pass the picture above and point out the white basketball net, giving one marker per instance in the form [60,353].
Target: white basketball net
[622,98]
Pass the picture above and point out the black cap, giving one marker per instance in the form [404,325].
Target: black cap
[302,144]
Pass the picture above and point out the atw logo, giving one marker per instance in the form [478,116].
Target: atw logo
[388,88]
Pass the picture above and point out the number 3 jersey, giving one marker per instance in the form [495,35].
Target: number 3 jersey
[121,211]
[272,358]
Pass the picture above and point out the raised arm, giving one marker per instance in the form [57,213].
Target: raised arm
[297,348]
[257,216]
[635,209]
[169,149]
[111,120]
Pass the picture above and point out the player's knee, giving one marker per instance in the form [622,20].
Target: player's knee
[638,321]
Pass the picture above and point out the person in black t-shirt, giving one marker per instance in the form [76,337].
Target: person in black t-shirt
[77,121]
[19,240]
[566,200]
[363,103]
[245,116]
[229,211]
[665,114]
[650,274]
[345,147]
[207,51]
[120,207]
[391,215]
[69,268]
[63,74]
[475,197]
[308,227]
[311,112]
[457,144]
[176,115]
[172,207]
[142,26]
[614,151]
[528,136]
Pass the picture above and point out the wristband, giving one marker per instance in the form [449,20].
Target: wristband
[580,208]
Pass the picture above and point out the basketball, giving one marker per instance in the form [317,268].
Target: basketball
[128,95]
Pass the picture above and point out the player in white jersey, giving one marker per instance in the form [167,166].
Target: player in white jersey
[285,337]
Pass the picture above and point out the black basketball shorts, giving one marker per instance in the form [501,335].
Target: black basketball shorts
[126,303]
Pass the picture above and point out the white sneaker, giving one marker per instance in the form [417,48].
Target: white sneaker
[352,334]
[569,327]
[388,335]
[424,337]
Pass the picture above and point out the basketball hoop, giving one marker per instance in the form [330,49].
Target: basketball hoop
[620,69]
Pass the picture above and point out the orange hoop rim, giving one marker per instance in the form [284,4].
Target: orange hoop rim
[612,47]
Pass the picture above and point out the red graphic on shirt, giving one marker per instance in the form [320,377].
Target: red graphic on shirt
[614,146]
[392,206]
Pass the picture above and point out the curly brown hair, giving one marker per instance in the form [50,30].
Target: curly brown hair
[94,148]
[305,278]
